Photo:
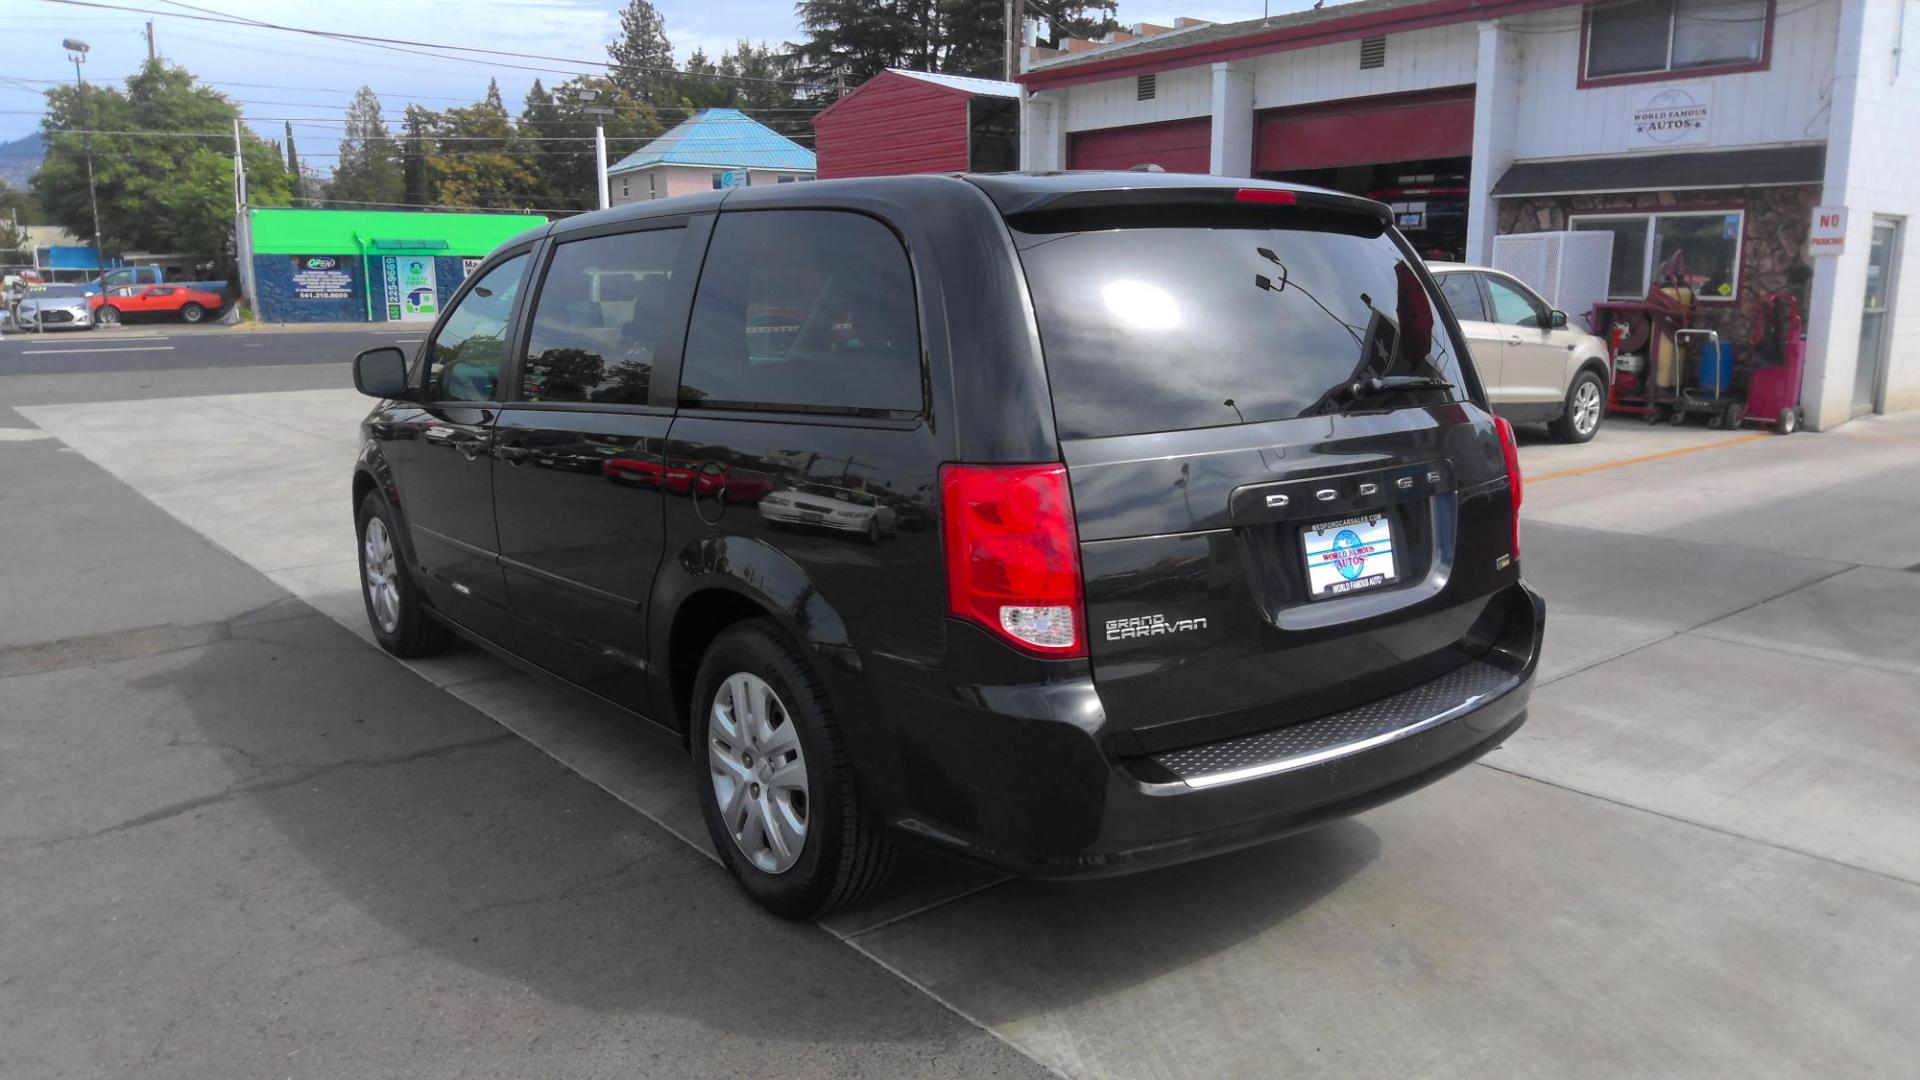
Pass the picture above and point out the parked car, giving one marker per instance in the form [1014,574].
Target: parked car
[1537,368]
[1224,535]
[824,506]
[155,301]
[54,307]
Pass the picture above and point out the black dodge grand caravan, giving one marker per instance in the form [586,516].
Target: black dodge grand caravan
[1070,524]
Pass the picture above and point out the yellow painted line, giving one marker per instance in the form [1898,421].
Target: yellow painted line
[1644,458]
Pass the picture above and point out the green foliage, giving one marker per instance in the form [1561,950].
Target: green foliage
[369,164]
[169,189]
[642,54]
[478,160]
[852,40]
[564,171]
[757,80]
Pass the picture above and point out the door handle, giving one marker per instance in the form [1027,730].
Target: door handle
[1513,340]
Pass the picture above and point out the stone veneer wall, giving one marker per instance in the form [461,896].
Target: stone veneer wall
[1774,240]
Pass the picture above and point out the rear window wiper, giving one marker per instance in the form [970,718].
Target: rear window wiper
[1379,385]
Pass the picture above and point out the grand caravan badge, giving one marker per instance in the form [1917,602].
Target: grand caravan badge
[1141,626]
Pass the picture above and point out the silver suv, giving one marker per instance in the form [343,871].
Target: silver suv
[1535,368]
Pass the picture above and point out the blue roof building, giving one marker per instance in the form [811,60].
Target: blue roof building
[713,148]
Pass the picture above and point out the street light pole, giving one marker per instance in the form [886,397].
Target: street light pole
[77,52]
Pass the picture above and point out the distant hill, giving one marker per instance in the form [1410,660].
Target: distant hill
[20,159]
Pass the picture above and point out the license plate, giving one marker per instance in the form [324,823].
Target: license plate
[1349,555]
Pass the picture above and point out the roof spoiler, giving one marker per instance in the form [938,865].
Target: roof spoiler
[1143,197]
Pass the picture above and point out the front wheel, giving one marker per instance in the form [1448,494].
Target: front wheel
[1586,399]
[395,609]
[1789,421]
[192,312]
[775,784]
[108,315]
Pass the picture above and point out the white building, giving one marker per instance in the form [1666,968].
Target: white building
[1714,128]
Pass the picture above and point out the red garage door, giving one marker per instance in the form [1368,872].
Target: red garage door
[1176,146]
[1365,131]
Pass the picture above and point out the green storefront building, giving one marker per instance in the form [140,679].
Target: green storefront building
[368,265]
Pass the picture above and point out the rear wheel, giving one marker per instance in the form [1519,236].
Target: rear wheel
[1789,421]
[192,312]
[1586,399]
[108,315]
[775,784]
[395,609]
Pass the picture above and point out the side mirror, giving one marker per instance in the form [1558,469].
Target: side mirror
[381,372]
[1557,320]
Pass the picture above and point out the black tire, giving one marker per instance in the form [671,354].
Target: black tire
[192,313]
[873,529]
[843,855]
[1578,428]
[413,632]
[108,315]
[1789,421]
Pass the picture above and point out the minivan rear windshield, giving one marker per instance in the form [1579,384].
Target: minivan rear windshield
[1188,324]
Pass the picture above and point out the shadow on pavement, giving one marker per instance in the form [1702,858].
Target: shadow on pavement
[425,815]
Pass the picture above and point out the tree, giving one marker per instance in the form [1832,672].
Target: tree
[852,40]
[478,161]
[566,179]
[369,162]
[169,187]
[417,176]
[642,55]
[751,78]
[294,172]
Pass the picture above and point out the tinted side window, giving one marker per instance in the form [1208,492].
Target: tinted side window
[1513,306]
[808,308]
[599,317]
[1463,296]
[463,359]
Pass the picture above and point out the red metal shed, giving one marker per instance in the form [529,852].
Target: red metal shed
[903,121]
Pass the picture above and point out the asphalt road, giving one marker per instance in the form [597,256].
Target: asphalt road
[173,346]
[236,840]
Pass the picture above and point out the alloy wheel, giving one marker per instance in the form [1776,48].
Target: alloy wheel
[1586,407]
[759,772]
[382,572]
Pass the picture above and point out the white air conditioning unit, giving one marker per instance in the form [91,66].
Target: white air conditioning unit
[1570,270]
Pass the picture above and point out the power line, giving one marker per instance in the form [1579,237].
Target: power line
[409,46]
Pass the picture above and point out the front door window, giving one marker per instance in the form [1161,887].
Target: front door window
[463,360]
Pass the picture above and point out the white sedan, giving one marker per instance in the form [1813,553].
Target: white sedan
[55,307]
[824,507]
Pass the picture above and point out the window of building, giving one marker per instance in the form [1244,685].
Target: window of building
[463,360]
[1636,37]
[624,192]
[804,309]
[653,187]
[1700,250]
[599,317]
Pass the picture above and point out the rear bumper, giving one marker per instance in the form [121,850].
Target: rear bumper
[1048,802]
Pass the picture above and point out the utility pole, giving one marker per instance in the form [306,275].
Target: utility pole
[77,52]
[153,51]
[242,228]
[1006,14]
[599,113]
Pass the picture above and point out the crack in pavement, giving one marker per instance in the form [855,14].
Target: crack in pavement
[187,806]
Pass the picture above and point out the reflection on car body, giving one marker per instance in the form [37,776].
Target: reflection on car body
[827,507]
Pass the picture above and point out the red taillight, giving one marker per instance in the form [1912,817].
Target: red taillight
[1510,449]
[1265,195]
[1013,557]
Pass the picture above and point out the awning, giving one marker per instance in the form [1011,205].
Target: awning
[408,245]
[1771,166]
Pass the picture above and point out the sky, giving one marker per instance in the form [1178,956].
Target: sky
[279,76]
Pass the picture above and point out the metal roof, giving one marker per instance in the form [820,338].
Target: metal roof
[724,138]
[966,83]
[1757,167]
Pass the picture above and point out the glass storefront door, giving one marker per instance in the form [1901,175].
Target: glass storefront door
[1876,316]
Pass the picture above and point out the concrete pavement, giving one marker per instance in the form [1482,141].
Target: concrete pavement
[1695,860]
